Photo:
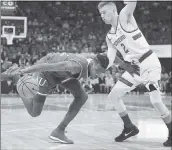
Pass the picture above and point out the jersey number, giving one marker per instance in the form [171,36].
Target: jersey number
[124,48]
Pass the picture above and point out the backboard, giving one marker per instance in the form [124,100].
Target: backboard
[13,27]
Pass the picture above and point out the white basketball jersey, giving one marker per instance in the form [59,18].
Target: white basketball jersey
[131,45]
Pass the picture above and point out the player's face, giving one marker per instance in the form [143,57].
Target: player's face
[108,14]
[96,70]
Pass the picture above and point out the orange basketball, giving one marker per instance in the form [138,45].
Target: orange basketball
[27,87]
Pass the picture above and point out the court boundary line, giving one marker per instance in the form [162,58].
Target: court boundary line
[75,125]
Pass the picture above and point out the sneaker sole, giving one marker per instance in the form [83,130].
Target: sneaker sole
[167,144]
[59,140]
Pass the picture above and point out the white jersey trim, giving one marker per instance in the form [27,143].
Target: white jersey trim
[42,94]
[126,30]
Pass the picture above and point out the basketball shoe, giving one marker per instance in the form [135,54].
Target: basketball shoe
[168,143]
[11,73]
[59,135]
[126,133]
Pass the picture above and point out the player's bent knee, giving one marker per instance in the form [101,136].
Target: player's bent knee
[83,97]
[153,86]
[35,114]
[38,104]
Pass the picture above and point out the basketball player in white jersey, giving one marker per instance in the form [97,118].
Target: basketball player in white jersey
[126,37]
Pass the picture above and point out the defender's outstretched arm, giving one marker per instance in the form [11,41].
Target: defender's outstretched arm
[130,7]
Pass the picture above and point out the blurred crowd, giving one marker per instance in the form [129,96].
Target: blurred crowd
[77,27]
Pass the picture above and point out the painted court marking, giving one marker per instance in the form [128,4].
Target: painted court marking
[76,125]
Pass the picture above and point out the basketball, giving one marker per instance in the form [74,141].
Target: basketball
[27,87]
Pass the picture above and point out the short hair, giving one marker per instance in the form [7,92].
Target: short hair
[104,3]
[103,60]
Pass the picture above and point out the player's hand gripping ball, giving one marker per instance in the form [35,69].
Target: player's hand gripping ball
[27,86]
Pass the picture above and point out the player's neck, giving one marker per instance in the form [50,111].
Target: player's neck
[114,22]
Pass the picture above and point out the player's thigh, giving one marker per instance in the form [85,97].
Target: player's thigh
[119,90]
[129,80]
[150,70]
[75,88]
[152,77]
[150,63]
[125,84]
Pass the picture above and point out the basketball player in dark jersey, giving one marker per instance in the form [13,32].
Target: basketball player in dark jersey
[66,70]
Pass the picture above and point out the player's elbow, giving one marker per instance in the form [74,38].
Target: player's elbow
[129,8]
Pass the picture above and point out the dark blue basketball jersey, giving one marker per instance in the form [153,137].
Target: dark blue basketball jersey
[49,79]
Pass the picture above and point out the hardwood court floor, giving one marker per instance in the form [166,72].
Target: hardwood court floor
[93,129]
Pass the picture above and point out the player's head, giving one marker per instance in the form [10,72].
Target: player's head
[98,65]
[108,11]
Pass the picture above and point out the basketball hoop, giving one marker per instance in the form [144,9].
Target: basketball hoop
[8,31]
[9,38]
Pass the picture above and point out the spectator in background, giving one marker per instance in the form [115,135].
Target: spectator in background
[102,83]
[164,80]
[169,84]
[109,82]
[95,85]
[66,25]
[3,55]
[14,60]
[18,57]
[22,61]
[7,86]
[6,63]
[88,87]
[34,58]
